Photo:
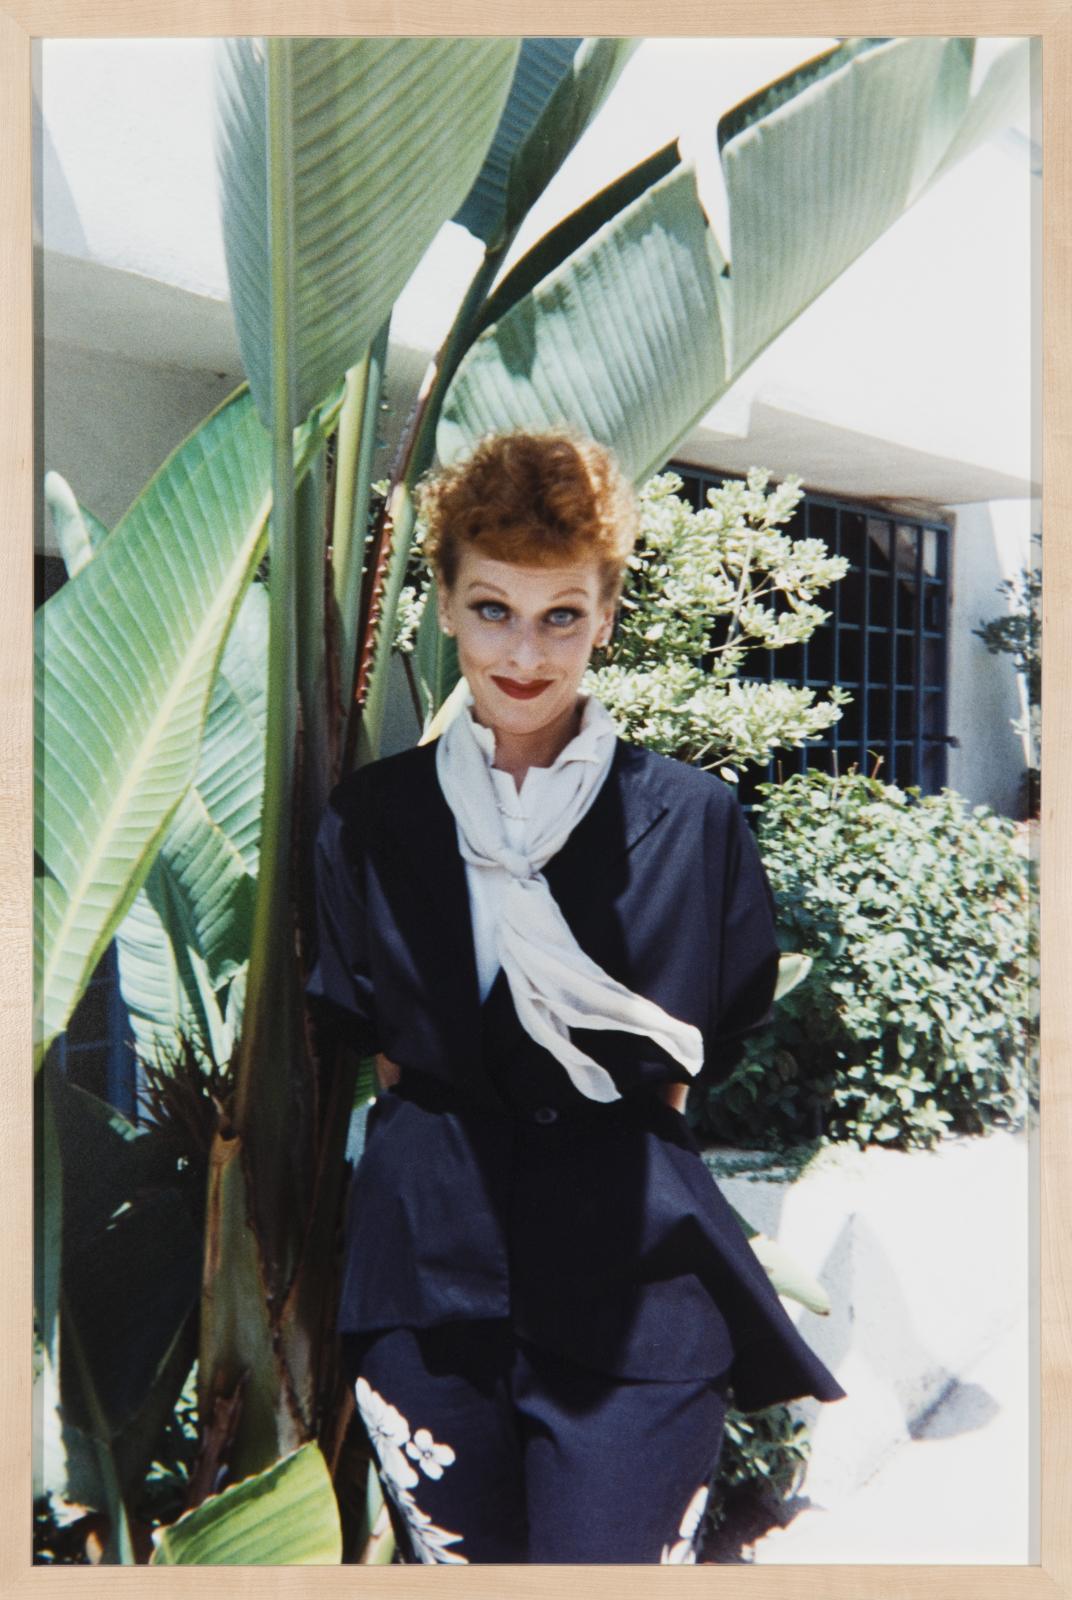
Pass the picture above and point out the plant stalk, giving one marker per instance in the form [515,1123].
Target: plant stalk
[391,537]
[270,1050]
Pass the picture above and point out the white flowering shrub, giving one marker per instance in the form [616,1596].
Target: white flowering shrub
[706,589]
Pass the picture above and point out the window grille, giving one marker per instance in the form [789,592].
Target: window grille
[886,643]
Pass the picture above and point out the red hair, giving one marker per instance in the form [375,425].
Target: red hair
[535,499]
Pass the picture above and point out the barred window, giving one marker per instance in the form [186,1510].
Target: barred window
[886,643]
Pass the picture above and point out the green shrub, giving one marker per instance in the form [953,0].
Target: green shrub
[916,1018]
[762,1465]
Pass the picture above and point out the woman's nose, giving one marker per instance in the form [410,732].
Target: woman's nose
[526,650]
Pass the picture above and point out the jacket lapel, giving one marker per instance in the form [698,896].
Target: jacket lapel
[426,842]
[629,804]
[626,808]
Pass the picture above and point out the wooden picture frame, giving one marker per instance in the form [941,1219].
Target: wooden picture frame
[23,21]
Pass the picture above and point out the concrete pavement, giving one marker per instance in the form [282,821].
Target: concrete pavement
[962,1490]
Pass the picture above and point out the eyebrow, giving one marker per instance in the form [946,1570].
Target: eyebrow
[479,583]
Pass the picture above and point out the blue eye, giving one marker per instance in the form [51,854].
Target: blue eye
[562,617]
[490,610]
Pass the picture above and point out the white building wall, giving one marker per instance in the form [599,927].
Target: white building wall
[109,420]
[909,378]
[990,544]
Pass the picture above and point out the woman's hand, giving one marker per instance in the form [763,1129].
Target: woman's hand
[388,1072]
[675,1095]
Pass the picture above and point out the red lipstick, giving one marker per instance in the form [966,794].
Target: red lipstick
[521,691]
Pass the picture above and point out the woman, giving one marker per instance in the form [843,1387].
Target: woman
[547,932]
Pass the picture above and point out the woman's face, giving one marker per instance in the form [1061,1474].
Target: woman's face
[524,637]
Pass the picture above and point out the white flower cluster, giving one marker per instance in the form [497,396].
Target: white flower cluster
[681,711]
[411,604]
[705,589]
[396,1448]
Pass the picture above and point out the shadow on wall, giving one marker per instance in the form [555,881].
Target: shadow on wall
[64,224]
[110,421]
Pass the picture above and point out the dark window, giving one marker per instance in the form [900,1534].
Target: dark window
[49,575]
[886,643]
[97,1050]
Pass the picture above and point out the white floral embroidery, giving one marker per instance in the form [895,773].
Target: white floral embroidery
[683,1551]
[429,1542]
[690,1522]
[680,1554]
[429,1456]
[389,1434]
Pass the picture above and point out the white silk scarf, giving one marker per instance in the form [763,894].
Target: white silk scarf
[554,984]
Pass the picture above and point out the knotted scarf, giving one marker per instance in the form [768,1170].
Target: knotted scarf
[555,986]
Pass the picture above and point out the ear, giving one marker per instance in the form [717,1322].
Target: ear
[606,626]
[444,607]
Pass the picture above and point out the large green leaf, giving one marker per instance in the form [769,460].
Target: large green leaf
[996,100]
[78,532]
[385,135]
[212,892]
[641,328]
[284,1517]
[126,658]
[814,179]
[558,244]
[558,86]
[126,654]
[788,1277]
[188,929]
[159,981]
[786,1274]
[624,338]
[541,66]
[230,772]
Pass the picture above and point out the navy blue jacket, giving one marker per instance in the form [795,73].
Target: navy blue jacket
[489,1186]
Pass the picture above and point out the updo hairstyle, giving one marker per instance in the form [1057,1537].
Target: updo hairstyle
[536,499]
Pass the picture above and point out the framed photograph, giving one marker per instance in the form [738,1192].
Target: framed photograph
[845,259]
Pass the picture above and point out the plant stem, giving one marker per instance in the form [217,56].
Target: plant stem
[267,1054]
[391,537]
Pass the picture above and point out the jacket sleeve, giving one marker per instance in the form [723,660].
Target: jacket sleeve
[340,983]
[747,962]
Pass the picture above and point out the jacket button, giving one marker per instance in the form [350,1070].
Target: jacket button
[545,1114]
